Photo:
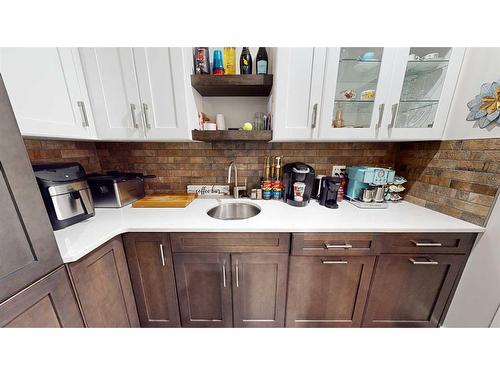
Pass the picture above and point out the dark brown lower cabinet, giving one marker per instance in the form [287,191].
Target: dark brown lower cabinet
[411,290]
[103,287]
[259,289]
[204,289]
[152,273]
[48,303]
[327,291]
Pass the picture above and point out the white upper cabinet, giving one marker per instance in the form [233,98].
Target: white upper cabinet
[350,94]
[112,85]
[162,87]
[355,86]
[298,78]
[137,93]
[423,85]
[47,91]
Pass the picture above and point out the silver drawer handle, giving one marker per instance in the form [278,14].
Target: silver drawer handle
[337,245]
[333,261]
[134,120]
[426,244]
[237,276]
[85,120]
[429,261]
[162,255]
[224,274]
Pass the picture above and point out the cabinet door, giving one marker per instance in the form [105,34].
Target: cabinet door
[48,92]
[204,289]
[28,249]
[259,289]
[298,79]
[411,290]
[327,291]
[162,85]
[356,84]
[424,80]
[102,284]
[48,303]
[114,93]
[152,273]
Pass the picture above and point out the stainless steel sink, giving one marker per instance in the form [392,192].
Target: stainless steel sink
[234,211]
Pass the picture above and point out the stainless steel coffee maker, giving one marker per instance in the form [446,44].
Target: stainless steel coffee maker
[65,192]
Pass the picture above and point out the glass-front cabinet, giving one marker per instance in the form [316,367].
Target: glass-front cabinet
[424,80]
[355,85]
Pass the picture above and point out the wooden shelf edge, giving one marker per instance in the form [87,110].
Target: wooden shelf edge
[232,85]
[232,135]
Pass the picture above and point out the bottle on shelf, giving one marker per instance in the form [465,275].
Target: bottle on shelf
[245,61]
[261,62]
[218,68]
[267,184]
[201,58]
[229,60]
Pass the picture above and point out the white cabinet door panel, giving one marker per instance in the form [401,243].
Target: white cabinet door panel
[47,91]
[297,92]
[112,83]
[421,93]
[161,79]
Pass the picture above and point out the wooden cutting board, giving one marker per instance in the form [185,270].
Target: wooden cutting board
[159,200]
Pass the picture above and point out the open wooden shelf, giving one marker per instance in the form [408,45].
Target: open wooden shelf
[232,135]
[232,85]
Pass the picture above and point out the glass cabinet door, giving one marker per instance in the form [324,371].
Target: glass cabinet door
[353,91]
[423,84]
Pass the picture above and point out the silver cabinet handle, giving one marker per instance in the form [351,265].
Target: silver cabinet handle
[134,120]
[237,276]
[145,109]
[314,115]
[394,110]
[85,120]
[428,261]
[224,274]
[337,245]
[333,261]
[380,115]
[426,244]
[162,255]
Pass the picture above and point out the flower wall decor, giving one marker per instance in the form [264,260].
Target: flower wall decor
[485,107]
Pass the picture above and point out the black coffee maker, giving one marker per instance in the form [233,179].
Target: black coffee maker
[298,181]
[329,190]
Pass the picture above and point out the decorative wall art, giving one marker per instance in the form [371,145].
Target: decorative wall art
[485,107]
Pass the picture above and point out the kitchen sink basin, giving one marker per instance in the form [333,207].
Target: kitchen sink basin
[234,211]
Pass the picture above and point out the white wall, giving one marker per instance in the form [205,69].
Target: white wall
[478,295]
[480,65]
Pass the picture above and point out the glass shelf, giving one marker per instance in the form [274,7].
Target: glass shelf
[354,100]
[356,114]
[416,114]
[362,61]
[420,101]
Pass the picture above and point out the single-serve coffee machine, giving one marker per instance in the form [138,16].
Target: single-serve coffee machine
[298,181]
[329,186]
[65,192]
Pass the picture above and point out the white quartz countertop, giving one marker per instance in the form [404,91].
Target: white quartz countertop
[276,216]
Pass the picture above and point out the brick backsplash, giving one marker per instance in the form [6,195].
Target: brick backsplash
[42,151]
[180,164]
[458,178]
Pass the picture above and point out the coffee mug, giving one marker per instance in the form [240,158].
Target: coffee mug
[219,120]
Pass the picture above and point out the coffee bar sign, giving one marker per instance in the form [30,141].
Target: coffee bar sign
[208,190]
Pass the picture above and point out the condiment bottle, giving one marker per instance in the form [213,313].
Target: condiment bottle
[245,61]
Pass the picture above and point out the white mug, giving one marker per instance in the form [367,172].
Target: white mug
[221,123]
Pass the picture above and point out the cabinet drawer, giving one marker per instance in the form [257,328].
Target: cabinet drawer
[332,244]
[230,242]
[433,243]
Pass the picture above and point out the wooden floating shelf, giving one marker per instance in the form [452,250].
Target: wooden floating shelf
[232,135]
[232,85]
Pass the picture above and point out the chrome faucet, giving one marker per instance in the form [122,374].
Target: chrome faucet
[236,189]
